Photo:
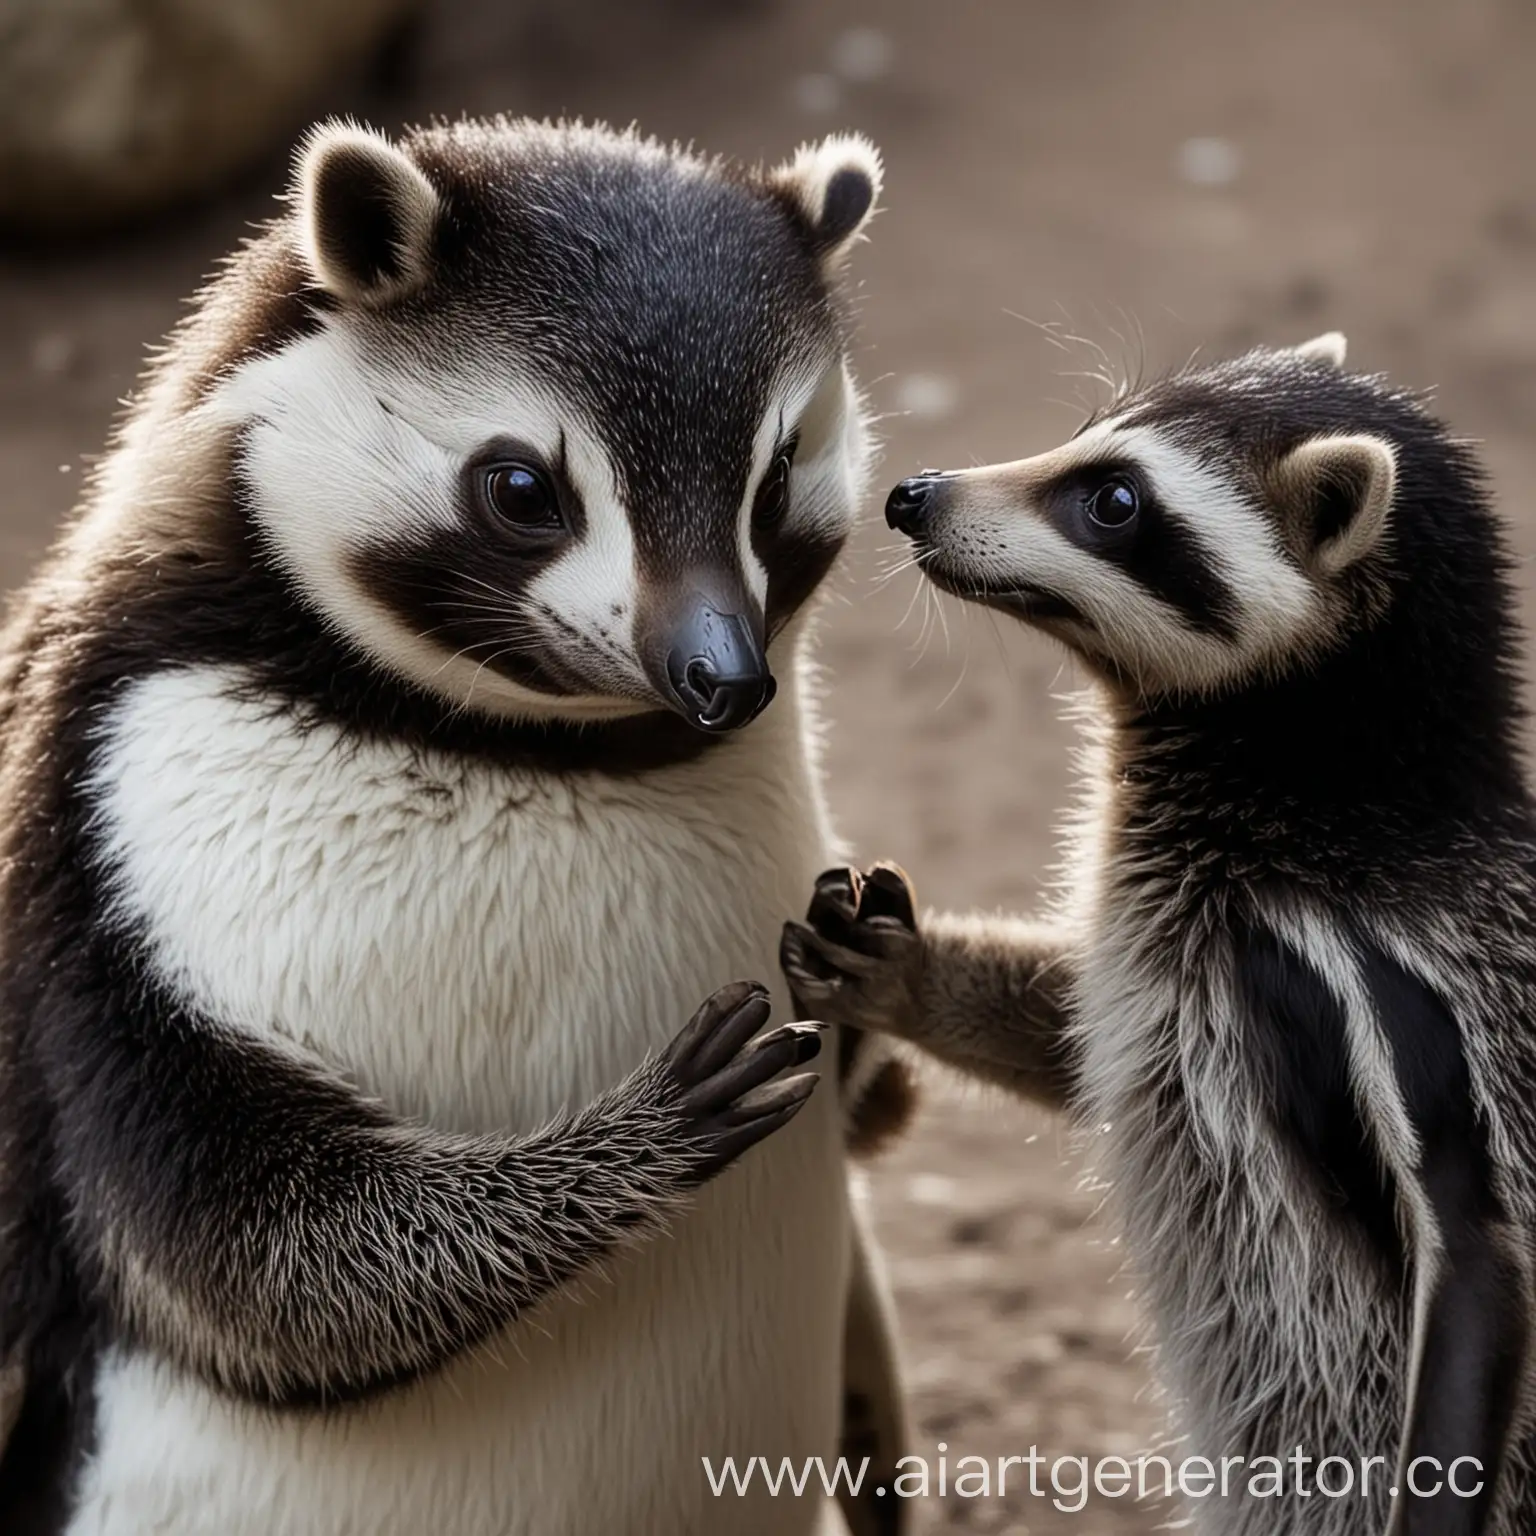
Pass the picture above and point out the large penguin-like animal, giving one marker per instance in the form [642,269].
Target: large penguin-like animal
[388,769]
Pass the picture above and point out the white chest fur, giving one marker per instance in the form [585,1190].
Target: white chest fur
[481,948]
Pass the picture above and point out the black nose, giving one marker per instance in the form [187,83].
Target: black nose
[717,703]
[907,507]
[717,670]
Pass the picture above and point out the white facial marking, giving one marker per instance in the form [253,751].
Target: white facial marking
[833,459]
[342,451]
[1000,539]
[1275,600]
[586,584]
[827,474]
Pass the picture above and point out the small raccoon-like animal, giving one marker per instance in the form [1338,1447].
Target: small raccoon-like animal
[390,763]
[1291,984]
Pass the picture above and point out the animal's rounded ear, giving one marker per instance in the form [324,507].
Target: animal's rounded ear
[832,187]
[367,215]
[1344,487]
[1329,348]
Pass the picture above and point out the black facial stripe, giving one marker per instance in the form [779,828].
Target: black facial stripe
[797,561]
[233,605]
[466,600]
[693,520]
[1159,551]
[796,552]
[1179,571]
[465,587]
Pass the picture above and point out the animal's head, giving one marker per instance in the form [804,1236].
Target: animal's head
[1227,523]
[576,437]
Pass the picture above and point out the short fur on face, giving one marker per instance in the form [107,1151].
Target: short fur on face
[652,337]
[1223,523]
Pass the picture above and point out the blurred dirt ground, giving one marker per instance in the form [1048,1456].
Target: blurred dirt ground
[1156,175]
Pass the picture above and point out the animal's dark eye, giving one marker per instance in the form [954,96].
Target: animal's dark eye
[522,497]
[1114,505]
[772,500]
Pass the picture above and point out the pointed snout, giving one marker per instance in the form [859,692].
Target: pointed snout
[910,505]
[716,668]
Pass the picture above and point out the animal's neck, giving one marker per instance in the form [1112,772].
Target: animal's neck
[1329,773]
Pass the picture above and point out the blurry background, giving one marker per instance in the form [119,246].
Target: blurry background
[1154,175]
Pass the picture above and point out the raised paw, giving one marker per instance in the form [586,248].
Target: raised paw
[858,956]
[722,1077]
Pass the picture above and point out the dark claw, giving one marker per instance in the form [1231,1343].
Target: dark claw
[888,893]
[790,1093]
[789,1046]
[843,880]
[720,1077]
[724,1148]
[834,907]
[726,1021]
[805,1038]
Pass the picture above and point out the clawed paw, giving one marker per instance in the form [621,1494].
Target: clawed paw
[724,1079]
[857,957]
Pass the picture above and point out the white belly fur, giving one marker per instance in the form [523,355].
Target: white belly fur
[481,949]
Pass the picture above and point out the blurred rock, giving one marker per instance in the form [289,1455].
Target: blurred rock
[112,108]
